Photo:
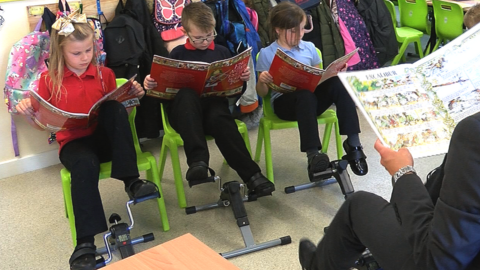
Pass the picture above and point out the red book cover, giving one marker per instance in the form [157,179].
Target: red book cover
[290,75]
[54,119]
[219,78]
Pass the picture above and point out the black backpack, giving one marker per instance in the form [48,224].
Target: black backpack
[125,44]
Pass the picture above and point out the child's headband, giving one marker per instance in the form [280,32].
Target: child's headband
[64,24]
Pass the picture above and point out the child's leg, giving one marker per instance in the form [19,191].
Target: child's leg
[114,142]
[331,92]
[301,106]
[80,158]
[220,124]
[186,117]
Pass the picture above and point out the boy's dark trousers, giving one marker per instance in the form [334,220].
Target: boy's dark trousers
[111,141]
[304,106]
[194,117]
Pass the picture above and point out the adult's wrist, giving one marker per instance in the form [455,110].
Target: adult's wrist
[401,172]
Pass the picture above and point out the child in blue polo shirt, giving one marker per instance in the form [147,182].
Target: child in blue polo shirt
[287,21]
[194,117]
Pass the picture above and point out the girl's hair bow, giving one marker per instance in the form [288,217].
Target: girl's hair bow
[64,24]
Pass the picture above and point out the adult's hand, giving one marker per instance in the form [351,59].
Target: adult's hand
[393,160]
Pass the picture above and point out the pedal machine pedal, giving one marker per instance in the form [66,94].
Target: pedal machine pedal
[118,236]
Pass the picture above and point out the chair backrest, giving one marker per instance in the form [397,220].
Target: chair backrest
[414,14]
[448,19]
[131,120]
[393,13]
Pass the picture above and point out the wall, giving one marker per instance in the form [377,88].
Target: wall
[35,152]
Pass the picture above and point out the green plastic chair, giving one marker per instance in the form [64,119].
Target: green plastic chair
[448,21]
[414,14]
[270,121]
[145,162]
[405,35]
[171,141]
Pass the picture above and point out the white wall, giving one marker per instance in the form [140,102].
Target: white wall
[35,152]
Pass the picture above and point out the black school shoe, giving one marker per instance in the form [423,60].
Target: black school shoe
[306,253]
[318,163]
[356,158]
[83,257]
[140,188]
[260,185]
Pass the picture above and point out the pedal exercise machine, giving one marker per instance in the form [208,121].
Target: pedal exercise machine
[231,195]
[118,236]
[336,172]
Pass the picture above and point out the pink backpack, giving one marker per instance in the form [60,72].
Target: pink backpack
[26,62]
[167,18]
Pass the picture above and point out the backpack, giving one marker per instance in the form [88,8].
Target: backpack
[167,18]
[26,62]
[124,44]
[234,28]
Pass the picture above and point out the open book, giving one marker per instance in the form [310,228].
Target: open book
[418,105]
[54,119]
[219,78]
[290,75]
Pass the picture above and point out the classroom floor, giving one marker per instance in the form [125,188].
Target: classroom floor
[35,234]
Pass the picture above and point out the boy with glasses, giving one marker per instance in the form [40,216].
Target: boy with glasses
[194,117]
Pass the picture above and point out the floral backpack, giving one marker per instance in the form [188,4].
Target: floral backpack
[26,62]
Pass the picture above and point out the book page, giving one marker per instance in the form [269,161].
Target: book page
[418,105]
[336,66]
[120,94]
[290,75]
[223,78]
[54,119]
[453,73]
[399,109]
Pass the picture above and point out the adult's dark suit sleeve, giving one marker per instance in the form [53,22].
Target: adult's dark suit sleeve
[446,236]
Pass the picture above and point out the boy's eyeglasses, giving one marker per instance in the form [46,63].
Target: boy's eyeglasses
[201,40]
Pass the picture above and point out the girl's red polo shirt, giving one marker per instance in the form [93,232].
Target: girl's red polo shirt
[79,93]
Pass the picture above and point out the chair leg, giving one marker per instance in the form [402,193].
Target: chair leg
[268,154]
[163,159]
[400,54]
[419,48]
[67,194]
[246,139]
[152,175]
[258,151]
[439,41]
[177,175]
[326,137]
[339,141]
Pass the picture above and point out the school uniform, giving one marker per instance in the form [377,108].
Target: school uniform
[411,232]
[82,150]
[194,118]
[304,106]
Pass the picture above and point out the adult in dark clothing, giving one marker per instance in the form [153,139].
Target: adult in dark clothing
[411,232]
